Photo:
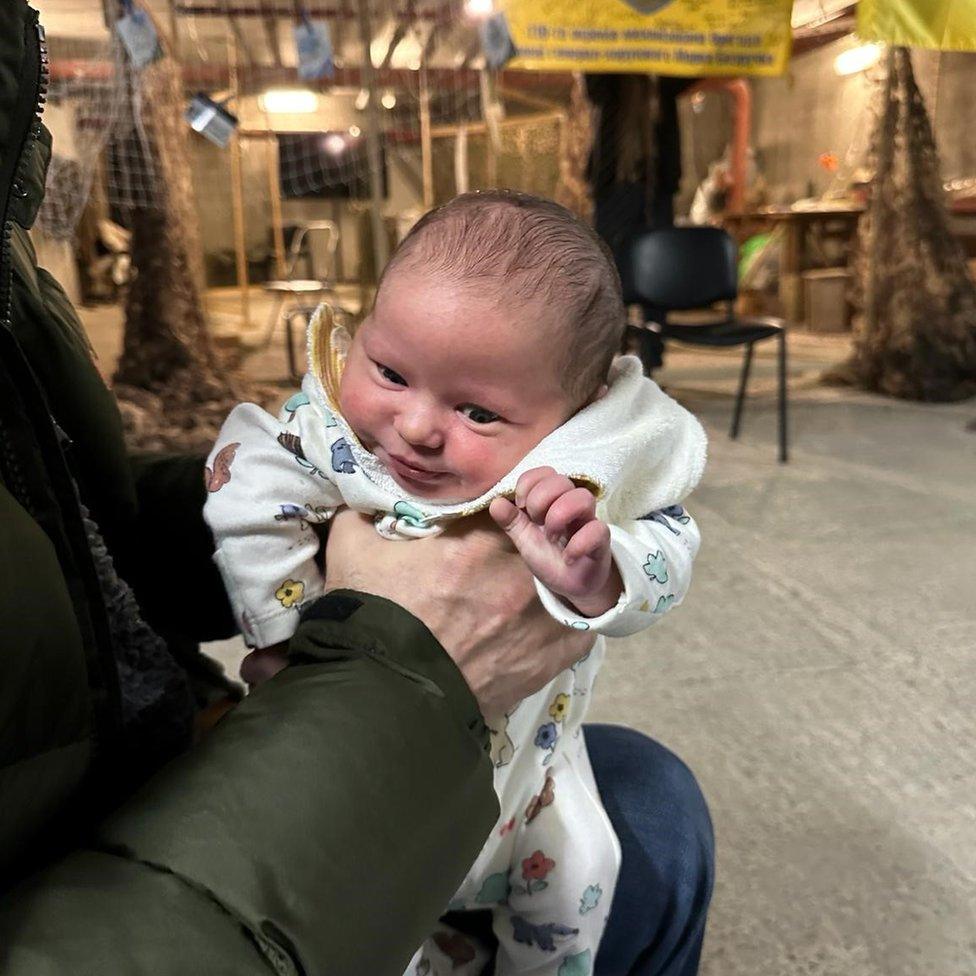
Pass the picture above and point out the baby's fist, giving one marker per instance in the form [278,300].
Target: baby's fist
[553,525]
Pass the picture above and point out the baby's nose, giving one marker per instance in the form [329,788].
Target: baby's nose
[420,427]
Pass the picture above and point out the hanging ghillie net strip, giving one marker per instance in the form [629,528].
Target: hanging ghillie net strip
[174,385]
[573,189]
[915,331]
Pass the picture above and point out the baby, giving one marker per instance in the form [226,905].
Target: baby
[485,377]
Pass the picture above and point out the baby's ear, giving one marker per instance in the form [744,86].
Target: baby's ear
[599,394]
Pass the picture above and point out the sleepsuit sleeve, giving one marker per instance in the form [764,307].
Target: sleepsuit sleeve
[270,481]
[654,555]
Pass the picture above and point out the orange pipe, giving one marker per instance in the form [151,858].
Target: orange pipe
[741,95]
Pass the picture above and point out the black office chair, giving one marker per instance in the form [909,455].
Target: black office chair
[684,268]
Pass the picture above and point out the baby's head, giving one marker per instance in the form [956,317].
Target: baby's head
[496,319]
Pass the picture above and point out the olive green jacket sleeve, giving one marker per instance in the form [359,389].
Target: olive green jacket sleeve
[320,829]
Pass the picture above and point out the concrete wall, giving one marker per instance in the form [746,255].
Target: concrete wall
[812,110]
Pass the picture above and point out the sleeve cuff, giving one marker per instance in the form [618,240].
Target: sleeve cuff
[625,617]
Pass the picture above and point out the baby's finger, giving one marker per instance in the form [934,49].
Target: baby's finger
[527,482]
[511,520]
[544,494]
[569,513]
[591,541]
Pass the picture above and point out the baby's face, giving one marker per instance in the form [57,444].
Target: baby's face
[448,390]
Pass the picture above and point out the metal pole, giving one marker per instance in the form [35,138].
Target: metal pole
[174,31]
[274,189]
[380,250]
[237,193]
[426,147]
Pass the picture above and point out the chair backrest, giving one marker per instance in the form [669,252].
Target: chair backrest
[679,268]
[328,229]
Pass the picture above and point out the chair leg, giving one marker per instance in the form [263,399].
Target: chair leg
[649,347]
[783,452]
[290,347]
[740,396]
[276,303]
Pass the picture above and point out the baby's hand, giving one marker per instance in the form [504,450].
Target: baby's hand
[553,525]
[263,664]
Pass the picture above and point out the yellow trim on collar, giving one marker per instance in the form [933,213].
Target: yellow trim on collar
[328,345]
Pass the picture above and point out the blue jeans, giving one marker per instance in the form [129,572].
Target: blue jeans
[657,920]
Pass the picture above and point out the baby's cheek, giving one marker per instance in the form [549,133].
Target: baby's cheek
[484,465]
[357,409]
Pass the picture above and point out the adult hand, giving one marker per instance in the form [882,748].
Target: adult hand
[474,593]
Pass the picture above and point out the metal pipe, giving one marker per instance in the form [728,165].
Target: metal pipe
[373,149]
[741,95]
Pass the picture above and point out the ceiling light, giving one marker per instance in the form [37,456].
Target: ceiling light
[479,8]
[388,100]
[857,59]
[362,100]
[355,131]
[295,101]
[334,143]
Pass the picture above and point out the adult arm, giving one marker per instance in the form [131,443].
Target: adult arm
[321,827]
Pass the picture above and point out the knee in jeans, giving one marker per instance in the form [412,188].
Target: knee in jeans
[650,792]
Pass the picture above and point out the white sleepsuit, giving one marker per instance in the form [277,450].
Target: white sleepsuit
[549,868]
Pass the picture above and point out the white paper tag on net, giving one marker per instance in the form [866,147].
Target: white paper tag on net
[314,43]
[138,35]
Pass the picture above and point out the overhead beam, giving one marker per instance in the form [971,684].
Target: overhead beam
[214,74]
[443,14]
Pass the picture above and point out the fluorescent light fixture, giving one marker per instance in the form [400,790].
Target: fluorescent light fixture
[388,100]
[479,8]
[289,101]
[857,59]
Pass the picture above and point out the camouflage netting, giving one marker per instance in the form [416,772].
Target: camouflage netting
[573,190]
[915,327]
[173,388]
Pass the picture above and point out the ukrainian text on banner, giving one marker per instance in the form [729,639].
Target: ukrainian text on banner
[668,37]
[949,25]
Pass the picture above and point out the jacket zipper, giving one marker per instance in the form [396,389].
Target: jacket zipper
[13,185]
[17,187]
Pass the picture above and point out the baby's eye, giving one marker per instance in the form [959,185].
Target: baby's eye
[478,415]
[391,375]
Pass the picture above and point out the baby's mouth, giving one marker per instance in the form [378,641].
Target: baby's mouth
[409,471]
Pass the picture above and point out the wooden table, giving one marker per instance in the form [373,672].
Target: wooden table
[795,224]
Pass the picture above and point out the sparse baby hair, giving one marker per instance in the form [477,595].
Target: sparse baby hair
[526,249]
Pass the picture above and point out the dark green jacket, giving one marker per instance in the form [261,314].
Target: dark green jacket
[322,826]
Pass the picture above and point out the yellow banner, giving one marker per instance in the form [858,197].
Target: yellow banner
[948,25]
[669,37]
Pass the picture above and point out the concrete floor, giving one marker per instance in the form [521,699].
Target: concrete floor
[820,681]
[820,678]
